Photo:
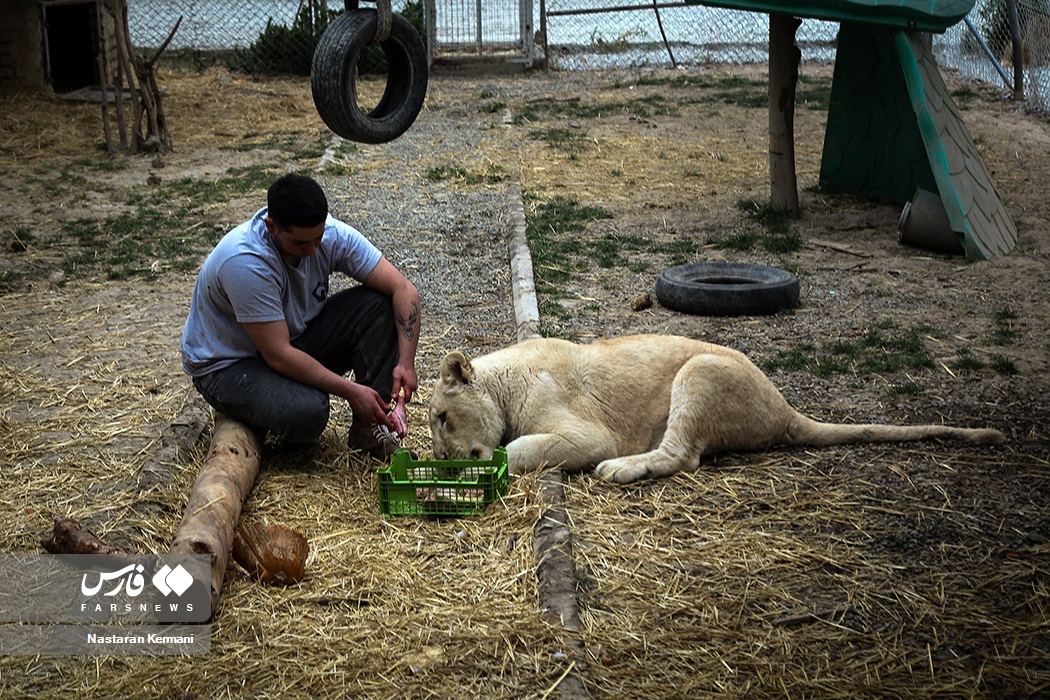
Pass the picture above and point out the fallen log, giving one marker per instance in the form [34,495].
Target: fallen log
[214,506]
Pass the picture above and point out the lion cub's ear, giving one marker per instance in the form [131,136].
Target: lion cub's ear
[456,368]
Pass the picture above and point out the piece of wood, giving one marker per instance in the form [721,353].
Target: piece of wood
[840,247]
[214,507]
[68,537]
[146,127]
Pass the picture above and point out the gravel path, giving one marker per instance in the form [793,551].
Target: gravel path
[449,238]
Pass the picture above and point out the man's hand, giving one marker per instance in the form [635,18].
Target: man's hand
[406,381]
[368,405]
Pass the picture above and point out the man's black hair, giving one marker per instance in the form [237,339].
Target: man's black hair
[296,200]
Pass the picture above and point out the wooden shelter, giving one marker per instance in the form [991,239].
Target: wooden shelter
[56,43]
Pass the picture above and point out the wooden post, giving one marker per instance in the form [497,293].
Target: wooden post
[1017,42]
[214,506]
[784,58]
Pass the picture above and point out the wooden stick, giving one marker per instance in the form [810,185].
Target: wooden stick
[105,101]
[214,506]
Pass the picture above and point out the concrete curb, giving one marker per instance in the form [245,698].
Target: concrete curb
[523,288]
[552,538]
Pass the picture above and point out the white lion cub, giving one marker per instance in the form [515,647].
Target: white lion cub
[634,407]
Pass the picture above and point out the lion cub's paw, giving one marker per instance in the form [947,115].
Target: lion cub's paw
[622,470]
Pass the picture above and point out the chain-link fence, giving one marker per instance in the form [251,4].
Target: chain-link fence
[254,36]
[278,36]
[588,34]
[585,34]
[984,48]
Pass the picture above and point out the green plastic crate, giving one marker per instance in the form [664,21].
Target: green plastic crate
[444,487]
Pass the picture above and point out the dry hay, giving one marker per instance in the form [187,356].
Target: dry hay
[794,574]
[848,572]
[389,607]
[40,125]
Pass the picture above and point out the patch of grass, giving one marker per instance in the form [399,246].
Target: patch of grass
[743,92]
[771,219]
[445,172]
[879,350]
[549,233]
[965,360]
[339,169]
[492,107]
[1004,365]
[644,107]
[677,81]
[300,145]
[681,250]
[905,389]
[23,236]
[742,240]
[963,96]
[731,89]
[782,243]
[344,148]
[1004,333]
[129,245]
[554,309]
[777,238]
[554,332]
[813,93]
[10,280]
[163,231]
[568,141]
[494,174]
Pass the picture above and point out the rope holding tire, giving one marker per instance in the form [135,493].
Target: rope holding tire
[333,75]
[385,18]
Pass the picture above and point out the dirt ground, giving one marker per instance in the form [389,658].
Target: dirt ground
[888,571]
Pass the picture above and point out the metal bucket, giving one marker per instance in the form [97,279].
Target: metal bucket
[924,224]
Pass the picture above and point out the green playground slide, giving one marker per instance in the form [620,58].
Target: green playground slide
[892,125]
[922,15]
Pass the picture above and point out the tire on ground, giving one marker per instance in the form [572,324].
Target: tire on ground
[727,289]
[333,77]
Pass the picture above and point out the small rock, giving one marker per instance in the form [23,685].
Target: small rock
[642,302]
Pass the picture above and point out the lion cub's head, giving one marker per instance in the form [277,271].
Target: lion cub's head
[464,420]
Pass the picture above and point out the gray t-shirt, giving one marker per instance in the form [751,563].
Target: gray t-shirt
[245,280]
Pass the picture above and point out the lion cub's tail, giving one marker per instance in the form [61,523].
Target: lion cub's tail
[806,431]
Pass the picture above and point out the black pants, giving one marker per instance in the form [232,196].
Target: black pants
[354,332]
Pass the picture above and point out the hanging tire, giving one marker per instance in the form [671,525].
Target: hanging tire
[727,289]
[333,77]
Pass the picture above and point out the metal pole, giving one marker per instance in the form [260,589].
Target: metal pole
[1018,57]
[618,8]
[543,33]
[988,52]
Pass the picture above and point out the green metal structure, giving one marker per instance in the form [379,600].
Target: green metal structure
[892,124]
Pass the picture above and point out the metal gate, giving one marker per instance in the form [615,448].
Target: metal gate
[472,30]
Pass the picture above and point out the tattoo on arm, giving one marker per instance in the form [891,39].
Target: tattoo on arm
[408,325]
